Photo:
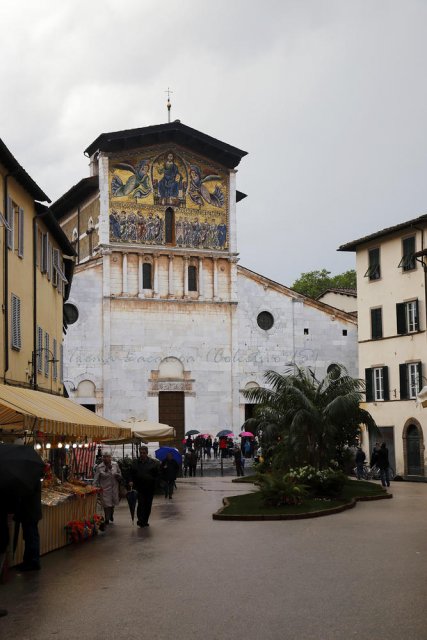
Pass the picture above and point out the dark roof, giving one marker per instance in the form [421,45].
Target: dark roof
[352,246]
[79,192]
[20,175]
[175,132]
[343,291]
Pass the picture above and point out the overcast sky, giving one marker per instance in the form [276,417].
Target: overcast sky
[328,97]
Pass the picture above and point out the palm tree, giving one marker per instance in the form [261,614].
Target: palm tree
[308,419]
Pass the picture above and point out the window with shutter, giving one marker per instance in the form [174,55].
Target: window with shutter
[413,377]
[11,223]
[49,260]
[378,383]
[408,262]
[20,232]
[44,252]
[403,379]
[192,278]
[376,323]
[55,267]
[39,349]
[46,354]
[146,275]
[386,384]
[16,322]
[55,360]
[368,385]
[61,363]
[374,270]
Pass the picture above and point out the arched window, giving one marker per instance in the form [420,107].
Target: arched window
[147,275]
[169,226]
[192,278]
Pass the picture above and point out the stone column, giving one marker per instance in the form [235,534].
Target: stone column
[201,288]
[125,273]
[185,275]
[156,276]
[215,278]
[140,278]
[170,278]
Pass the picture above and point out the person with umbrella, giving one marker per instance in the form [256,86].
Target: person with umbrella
[144,473]
[169,469]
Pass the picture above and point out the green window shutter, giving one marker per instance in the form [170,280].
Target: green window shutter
[21,232]
[403,378]
[417,316]
[376,323]
[369,385]
[401,318]
[39,348]
[11,223]
[16,322]
[420,376]
[386,384]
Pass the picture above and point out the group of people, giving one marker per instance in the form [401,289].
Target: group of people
[145,473]
[379,458]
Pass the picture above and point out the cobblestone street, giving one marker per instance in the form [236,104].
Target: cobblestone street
[359,573]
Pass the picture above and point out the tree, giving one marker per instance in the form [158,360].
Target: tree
[313,283]
[308,421]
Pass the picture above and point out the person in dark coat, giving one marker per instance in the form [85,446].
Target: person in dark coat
[144,474]
[374,454]
[193,463]
[238,459]
[384,465]
[169,470]
[28,512]
[360,461]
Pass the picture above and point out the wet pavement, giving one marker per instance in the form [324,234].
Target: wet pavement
[358,574]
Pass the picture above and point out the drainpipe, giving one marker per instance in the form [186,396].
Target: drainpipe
[34,354]
[6,283]
[424,268]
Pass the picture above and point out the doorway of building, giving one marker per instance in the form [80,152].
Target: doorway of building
[413,451]
[172,412]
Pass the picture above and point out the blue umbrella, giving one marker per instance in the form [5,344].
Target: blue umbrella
[225,433]
[163,451]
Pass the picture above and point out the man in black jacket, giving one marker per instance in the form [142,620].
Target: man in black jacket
[144,474]
[169,470]
[384,465]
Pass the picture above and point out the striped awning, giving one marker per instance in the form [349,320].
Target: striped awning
[25,409]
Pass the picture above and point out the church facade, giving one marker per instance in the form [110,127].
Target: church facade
[165,325]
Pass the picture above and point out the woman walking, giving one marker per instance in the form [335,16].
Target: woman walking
[108,476]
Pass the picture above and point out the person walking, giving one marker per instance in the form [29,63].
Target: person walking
[169,470]
[384,465]
[193,463]
[186,462]
[374,455]
[108,476]
[238,461]
[215,446]
[144,474]
[360,461]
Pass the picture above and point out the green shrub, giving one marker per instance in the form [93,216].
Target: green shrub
[325,483]
[278,489]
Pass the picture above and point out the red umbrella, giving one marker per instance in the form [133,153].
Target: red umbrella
[246,434]
[206,435]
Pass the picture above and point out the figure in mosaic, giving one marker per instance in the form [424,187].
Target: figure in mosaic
[138,184]
[198,191]
[171,182]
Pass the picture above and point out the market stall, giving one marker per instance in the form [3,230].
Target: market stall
[63,433]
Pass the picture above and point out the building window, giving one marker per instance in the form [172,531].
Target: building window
[410,380]
[20,238]
[147,275]
[169,226]
[61,364]
[377,387]
[39,349]
[16,322]
[306,331]
[374,271]
[10,215]
[54,360]
[192,278]
[408,262]
[265,320]
[344,332]
[376,323]
[46,354]
[407,316]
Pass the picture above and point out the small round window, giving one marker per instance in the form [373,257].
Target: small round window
[265,320]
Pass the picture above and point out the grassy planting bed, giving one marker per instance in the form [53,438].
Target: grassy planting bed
[250,507]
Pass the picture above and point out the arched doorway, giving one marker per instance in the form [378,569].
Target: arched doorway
[413,451]
[172,397]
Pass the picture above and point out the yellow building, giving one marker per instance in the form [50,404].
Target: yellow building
[391,298]
[36,265]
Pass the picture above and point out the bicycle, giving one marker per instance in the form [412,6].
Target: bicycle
[374,472]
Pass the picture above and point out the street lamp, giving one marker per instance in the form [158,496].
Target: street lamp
[33,363]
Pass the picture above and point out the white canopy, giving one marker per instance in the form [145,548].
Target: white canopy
[143,430]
